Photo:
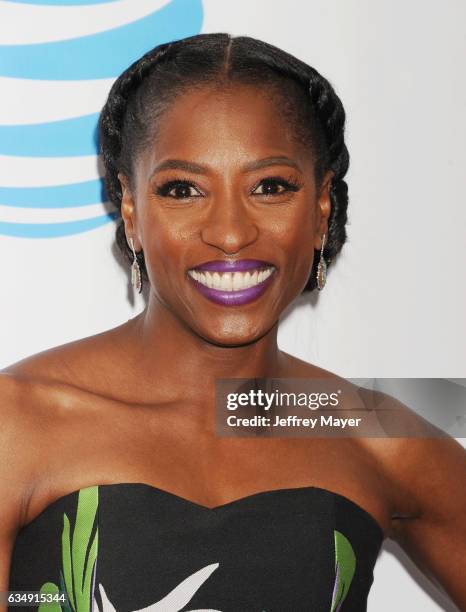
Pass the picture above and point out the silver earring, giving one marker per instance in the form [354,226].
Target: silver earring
[136,279]
[322,267]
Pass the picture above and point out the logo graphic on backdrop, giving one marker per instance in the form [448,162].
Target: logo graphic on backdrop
[54,76]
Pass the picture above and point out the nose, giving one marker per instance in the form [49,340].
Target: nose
[229,226]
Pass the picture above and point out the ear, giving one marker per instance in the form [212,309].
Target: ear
[128,211]
[324,208]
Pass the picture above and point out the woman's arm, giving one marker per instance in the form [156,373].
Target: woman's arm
[433,473]
[14,472]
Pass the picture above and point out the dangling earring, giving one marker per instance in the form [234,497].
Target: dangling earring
[322,267]
[136,279]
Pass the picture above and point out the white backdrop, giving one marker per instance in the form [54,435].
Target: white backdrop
[393,302]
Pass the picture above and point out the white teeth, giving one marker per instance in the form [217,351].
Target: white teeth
[209,280]
[226,281]
[237,281]
[231,281]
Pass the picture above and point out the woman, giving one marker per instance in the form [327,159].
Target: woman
[226,157]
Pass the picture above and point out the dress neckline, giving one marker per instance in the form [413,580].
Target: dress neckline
[245,499]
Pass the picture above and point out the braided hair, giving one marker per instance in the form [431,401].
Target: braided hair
[139,96]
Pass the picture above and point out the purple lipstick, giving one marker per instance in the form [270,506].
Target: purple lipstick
[232,283]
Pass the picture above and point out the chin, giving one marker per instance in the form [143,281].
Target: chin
[233,335]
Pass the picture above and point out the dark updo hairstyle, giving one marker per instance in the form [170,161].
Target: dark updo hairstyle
[139,96]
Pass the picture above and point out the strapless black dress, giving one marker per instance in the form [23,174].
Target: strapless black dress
[131,547]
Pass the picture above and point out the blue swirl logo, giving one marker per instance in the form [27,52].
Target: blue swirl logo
[52,68]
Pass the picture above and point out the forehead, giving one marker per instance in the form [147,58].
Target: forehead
[224,127]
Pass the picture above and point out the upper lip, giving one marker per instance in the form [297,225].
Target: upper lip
[230,265]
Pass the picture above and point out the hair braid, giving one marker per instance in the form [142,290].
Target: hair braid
[331,115]
[111,118]
[111,123]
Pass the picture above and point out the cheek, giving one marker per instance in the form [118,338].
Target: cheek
[297,257]
[163,249]
[295,237]
[302,255]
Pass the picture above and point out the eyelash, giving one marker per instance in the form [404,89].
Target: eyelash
[290,184]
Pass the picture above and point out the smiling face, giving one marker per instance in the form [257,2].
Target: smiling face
[226,180]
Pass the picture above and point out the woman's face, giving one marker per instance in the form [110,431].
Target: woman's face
[226,181]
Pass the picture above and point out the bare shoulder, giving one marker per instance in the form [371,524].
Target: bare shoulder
[29,380]
[411,457]
[28,412]
[16,418]
[425,470]
[37,395]
[417,458]
[428,474]
[43,391]
[73,363]
[23,408]
[16,463]
[367,454]
[424,463]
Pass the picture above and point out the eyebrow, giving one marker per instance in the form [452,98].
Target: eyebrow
[187,166]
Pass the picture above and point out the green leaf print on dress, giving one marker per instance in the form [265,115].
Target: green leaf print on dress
[345,565]
[79,555]
[79,562]
[49,588]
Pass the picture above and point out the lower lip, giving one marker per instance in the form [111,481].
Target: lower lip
[233,298]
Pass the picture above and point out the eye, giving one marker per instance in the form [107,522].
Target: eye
[276,185]
[179,190]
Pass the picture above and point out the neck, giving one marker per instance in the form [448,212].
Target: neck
[170,355]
